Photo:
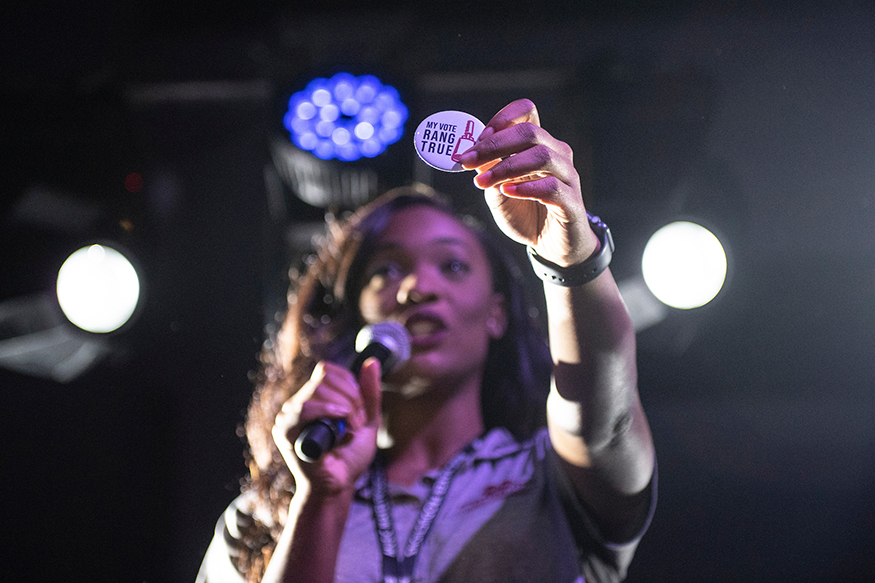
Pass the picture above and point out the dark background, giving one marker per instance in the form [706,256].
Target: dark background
[755,117]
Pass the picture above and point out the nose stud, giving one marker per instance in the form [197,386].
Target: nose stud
[409,292]
[409,295]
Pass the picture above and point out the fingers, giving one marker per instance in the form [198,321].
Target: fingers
[542,173]
[533,161]
[530,183]
[519,111]
[372,397]
[332,388]
[547,190]
[331,391]
[507,142]
[514,149]
[501,143]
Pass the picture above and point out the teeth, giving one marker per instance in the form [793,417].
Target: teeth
[423,327]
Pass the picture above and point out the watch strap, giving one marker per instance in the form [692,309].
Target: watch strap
[580,273]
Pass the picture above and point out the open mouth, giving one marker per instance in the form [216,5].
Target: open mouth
[423,326]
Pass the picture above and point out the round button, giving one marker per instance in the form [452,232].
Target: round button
[444,136]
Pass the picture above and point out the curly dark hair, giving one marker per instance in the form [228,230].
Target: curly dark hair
[321,323]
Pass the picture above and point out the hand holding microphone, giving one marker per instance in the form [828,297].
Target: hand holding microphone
[389,343]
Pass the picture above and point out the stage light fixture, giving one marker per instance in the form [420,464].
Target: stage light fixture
[345,117]
[98,289]
[684,265]
[61,331]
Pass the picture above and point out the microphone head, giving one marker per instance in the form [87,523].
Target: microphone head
[393,336]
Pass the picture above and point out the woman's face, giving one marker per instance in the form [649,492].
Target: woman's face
[430,273]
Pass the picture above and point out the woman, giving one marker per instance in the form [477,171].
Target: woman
[443,473]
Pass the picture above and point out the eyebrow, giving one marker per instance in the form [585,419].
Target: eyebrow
[455,241]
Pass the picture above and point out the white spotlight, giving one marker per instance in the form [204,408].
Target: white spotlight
[684,265]
[98,289]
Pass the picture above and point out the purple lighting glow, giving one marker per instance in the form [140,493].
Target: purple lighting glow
[345,117]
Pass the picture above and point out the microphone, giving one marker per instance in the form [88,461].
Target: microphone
[389,343]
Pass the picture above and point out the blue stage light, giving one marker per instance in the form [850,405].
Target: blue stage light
[346,117]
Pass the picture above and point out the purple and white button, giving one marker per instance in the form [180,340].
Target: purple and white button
[443,137]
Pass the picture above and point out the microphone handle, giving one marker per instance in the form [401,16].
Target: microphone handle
[321,435]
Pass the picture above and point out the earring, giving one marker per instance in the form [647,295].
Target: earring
[495,329]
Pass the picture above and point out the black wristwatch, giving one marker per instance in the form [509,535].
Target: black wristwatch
[581,273]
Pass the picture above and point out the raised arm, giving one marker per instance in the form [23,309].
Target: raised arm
[594,414]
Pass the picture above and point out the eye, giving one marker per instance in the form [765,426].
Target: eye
[456,267]
[384,270]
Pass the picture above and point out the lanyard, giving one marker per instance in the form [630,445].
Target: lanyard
[399,569]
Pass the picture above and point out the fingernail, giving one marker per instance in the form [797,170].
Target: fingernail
[468,158]
[483,179]
[337,410]
[485,133]
[508,189]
